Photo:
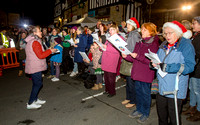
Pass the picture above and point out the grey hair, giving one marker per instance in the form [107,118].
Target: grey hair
[178,34]
[197,18]
[81,29]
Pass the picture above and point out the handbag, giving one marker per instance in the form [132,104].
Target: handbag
[126,67]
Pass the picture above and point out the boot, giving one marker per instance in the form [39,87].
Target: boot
[194,117]
[20,73]
[96,87]
[190,110]
[100,86]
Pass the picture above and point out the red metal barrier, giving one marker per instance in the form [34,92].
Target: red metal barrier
[9,58]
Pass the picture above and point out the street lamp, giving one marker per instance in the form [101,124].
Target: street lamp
[187,7]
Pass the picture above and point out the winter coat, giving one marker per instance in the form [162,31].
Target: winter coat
[57,57]
[96,56]
[141,70]
[182,53]
[133,38]
[89,41]
[196,44]
[110,58]
[35,55]
[81,47]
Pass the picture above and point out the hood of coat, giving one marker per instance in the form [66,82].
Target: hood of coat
[31,37]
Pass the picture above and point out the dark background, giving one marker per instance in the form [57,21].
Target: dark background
[40,12]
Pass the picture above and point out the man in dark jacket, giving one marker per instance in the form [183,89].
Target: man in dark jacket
[194,84]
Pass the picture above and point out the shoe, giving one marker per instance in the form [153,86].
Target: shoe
[20,73]
[96,87]
[190,110]
[110,95]
[55,79]
[129,105]
[62,74]
[43,75]
[76,72]
[100,86]
[142,119]
[33,106]
[73,74]
[125,102]
[105,93]
[117,78]
[135,114]
[40,102]
[194,117]
[50,76]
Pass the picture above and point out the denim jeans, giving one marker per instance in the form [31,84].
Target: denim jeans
[143,97]
[53,72]
[194,87]
[130,90]
[36,87]
[75,69]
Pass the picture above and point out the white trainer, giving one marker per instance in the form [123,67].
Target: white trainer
[40,102]
[33,106]
[55,79]
[72,74]
[117,78]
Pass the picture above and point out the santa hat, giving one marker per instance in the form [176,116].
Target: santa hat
[178,27]
[133,21]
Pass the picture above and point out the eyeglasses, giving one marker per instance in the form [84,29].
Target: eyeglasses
[169,33]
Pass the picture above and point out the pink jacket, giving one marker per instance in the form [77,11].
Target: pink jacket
[110,58]
[33,63]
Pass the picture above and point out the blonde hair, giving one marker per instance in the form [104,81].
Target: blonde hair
[187,24]
[151,28]
[115,27]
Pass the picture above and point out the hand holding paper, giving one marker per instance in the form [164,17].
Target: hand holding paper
[83,54]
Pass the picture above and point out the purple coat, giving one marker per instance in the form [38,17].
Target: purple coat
[140,70]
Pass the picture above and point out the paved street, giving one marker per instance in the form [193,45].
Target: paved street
[64,106]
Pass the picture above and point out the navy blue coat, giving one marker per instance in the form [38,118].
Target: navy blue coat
[81,47]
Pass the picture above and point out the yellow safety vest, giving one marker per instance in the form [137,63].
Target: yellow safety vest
[4,40]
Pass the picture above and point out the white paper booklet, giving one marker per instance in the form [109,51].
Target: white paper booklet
[84,55]
[155,59]
[119,43]
[71,42]
[96,39]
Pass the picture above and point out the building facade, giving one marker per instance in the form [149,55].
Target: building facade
[66,11]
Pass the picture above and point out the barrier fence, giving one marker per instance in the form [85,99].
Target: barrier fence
[8,58]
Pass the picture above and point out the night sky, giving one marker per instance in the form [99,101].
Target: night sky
[40,12]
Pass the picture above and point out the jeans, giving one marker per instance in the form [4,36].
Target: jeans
[165,108]
[36,87]
[52,68]
[130,90]
[143,97]
[75,69]
[194,87]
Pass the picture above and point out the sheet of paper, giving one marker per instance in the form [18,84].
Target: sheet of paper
[96,39]
[119,43]
[153,57]
[71,42]
[84,55]
[162,74]
[95,36]
[77,40]
[100,45]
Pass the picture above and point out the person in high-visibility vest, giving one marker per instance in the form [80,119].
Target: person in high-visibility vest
[3,40]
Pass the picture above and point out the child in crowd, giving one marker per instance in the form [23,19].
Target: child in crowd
[98,72]
[56,59]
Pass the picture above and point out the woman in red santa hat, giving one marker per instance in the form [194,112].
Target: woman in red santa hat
[178,57]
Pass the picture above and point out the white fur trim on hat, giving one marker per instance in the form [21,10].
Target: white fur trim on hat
[187,34]
[129,21]
[173,26]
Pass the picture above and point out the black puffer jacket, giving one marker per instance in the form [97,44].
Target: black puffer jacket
[196,44]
